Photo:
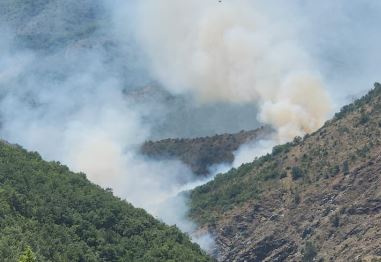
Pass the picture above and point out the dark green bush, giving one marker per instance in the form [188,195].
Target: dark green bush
[296,173]
[346,167]
[309,252]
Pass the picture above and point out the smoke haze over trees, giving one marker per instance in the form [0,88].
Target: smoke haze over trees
[88,82]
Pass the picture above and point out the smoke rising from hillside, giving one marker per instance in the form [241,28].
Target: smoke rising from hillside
[71,105]
[233,52]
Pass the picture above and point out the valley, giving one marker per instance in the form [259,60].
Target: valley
[178,131]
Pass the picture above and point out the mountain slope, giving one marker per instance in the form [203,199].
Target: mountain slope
[64,217]
[69,21]
[201,153]
[315,198]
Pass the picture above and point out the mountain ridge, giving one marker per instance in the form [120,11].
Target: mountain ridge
[316,198]
[203,152]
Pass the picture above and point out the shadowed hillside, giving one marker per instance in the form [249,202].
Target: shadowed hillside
[315,198]
[201,153]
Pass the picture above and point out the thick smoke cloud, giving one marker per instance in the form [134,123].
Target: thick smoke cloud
[78,100]
[234,52]
[183,115]
[72,107]
[286,57]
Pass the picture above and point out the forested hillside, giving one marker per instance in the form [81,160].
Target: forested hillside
[61,216]
[316,198]
[203,152]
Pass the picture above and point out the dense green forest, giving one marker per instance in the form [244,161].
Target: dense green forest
[60,216]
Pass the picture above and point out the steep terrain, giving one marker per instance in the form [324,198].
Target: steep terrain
[69,21]
[201,153]
[64,217]
[315,199]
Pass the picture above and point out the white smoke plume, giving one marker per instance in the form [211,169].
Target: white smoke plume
[234,52]
[71,104]
[72,108]
[248,152]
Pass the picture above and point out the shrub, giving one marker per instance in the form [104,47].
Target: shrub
[364,118]
[335,170]
[346,167]
[281,149]
[296,198]
[335,221]
[28,256]
[309,252]
[296,173]
[297,140]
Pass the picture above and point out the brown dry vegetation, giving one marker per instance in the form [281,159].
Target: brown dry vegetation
[317,198]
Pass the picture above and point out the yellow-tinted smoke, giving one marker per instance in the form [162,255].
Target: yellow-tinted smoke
[234,52]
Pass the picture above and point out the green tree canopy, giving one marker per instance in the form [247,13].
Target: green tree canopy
[28,256]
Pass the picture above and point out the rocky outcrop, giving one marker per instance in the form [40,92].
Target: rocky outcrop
[329,211]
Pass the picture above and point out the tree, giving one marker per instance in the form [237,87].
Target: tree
[346,167]
[28,256]
[296,173]
[335,220]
